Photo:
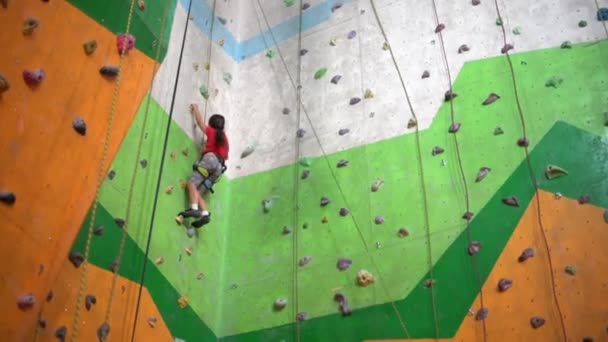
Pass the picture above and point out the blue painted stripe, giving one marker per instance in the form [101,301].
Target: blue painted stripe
[239,51]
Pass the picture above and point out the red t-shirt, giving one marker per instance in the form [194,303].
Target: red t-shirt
[212,145]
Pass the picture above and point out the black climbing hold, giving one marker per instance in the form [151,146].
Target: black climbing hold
[506,48]
[305,260]
[285,111]
[504,284]
[343,212]
[76,259]
[222,20]
[33,77]
[7,197]
[343,131]
[584,199]
[303,52]
[79,125]
[305,174]
[325,201]
[4,3]
[301,316]
[286,230]
[98,230]
[344,309]
[463,48]
[26,301]
[511,201]
[109,70]
[566,45]
[454,127]
[605,215]
[336,7]
[526,254]
[114,266]
[437,150]
[29,25]
[439,28]
[554,82]
[300,133]
[103,331]
[42,323]
[111,174]
[493,97]
[475,2]
[467,216]
[425,74]
[89,301]
[49,296]
[482,173]
[602,14]
[587,339]
[474,247]
[582,23]
[143,163]
[336,79]
[537,322]
[498,131]
[482,314]
[4,84]
[353,101]
[305,6]
[351,34]
[61,333]
[523,142]
[343,264]
[342,163]
[120,222]
[449,95]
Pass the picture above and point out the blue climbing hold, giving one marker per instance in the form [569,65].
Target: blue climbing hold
[602,14]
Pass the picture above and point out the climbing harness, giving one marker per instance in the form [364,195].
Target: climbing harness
[208,180]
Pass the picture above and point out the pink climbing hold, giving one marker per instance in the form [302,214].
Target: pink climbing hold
[125,43]
[506,48]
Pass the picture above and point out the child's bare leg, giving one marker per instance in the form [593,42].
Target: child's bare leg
[193,193]
[202,204]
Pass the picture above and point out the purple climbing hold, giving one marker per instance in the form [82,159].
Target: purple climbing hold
[325,201]
[463,48]
[351,34]
[523,142]
[303,52]
[305,174]
[526,254]
[343,131]
[474,247]
[344,309]
[26,301]
[109,71]
[61,333]
[353,101]
[342,163]
[336,7]
[286,230]
[439,28]
[379,219]
[302,316]
[493,97]
[467,216]
[49,296]
[305,260]
[504,284]
[7,197]
[336,79]
[511,201]
[454,127]
[305,6]
[103,331]
[76,259]
[483,172]
[343,212]
[584,199]
[537,322]
[89,301]
[343,264]
[449,95]
[482,314]
[506,48]
[79,125]
[300,133]
[437,150]
[33,77]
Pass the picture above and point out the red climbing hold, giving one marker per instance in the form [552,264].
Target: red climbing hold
[439,28]
[506,48]
[523,142]
[125,43]
[26,301]
[33,77]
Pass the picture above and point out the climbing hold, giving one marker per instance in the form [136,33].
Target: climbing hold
[4,84]
[511,201]
[449,95]
[605,118]
[437,150]
[76,259]
[49,296]
[183,184]
[602,14]
[306,161]
[7,197]
[207,66]
[481,314]
[537,322]
[504,284]
[114,266]
[325,201]
[333,42]
[606,215]
[474,247]
[351,34]
[286,230]
[303,52]
[554,81]
[120,222]
[336,7]
[475,2]
[182,302]
[204,92]
[98,230]
[386,46]
[159,260]
[425,74]
[582,23]
[305,174]
[26,301]
[336,79]
[439,28]
[365,278]
[499,21]
[33,77]
[498,131]
[571,270]
[89,301]
[61,333]
[29,25]
[584,199]
[566,45]
[324,219]
[429,283]
[343,131]
[42,323]
[368,94]
[79,125]
[248,151]
[353,101]
[379,219]
[467,216]
[305,6]
[320,73]
[506,48]
[141,4]
[285,111]
[526,254]
[344,309]
[109,71]
[4,3]
[270,53]
[454,127]
[342,163]
[343,212]
[89,46]
[103,331]
[523,142]
[152,321]
[516,30]
[301,316]
[483,172]
[222,20]
[493,97]
[402,232]
[463,48]
[412,123]
[300,133]
[587,339]
[305,225]
[227,77]
[186,151]
[268,203]
[305,260]
[553,171]
[169,189]
[377,184]
[280,303]
[343,264]
[188,250]
[125,43]
[289,3]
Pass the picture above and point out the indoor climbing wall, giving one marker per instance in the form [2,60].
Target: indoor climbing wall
[397,170]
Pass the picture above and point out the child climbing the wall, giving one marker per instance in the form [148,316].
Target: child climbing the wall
[207,169]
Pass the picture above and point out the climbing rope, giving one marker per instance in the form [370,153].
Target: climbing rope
[100,178]
[533,178]
[297,86]
[209,60]
[461,170]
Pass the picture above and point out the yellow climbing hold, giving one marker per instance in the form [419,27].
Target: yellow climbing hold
[169,190]
[386,46]
[188,250]
[141,4]
[207,66]
[221,42]
[333,42]
[183,301]
[185,151]
[195,66]
[159,260]
[368,94]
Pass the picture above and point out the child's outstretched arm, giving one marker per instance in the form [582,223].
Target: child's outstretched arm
[197,116]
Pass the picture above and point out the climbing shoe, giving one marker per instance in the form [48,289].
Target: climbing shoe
[186,214]
[202,221]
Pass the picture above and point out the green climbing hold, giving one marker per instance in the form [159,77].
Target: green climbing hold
[204,92]
[270,53]
[499,21]
[553,171]
[289,3]
[582,23]
[320,73]
[498,131]
[554,81]
[306,161]
[566,45]
[605,116]
[606,215]
[222,20]
[227,77]
[517,30]
[571,270]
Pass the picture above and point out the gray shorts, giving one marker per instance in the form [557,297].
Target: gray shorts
[212,164]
